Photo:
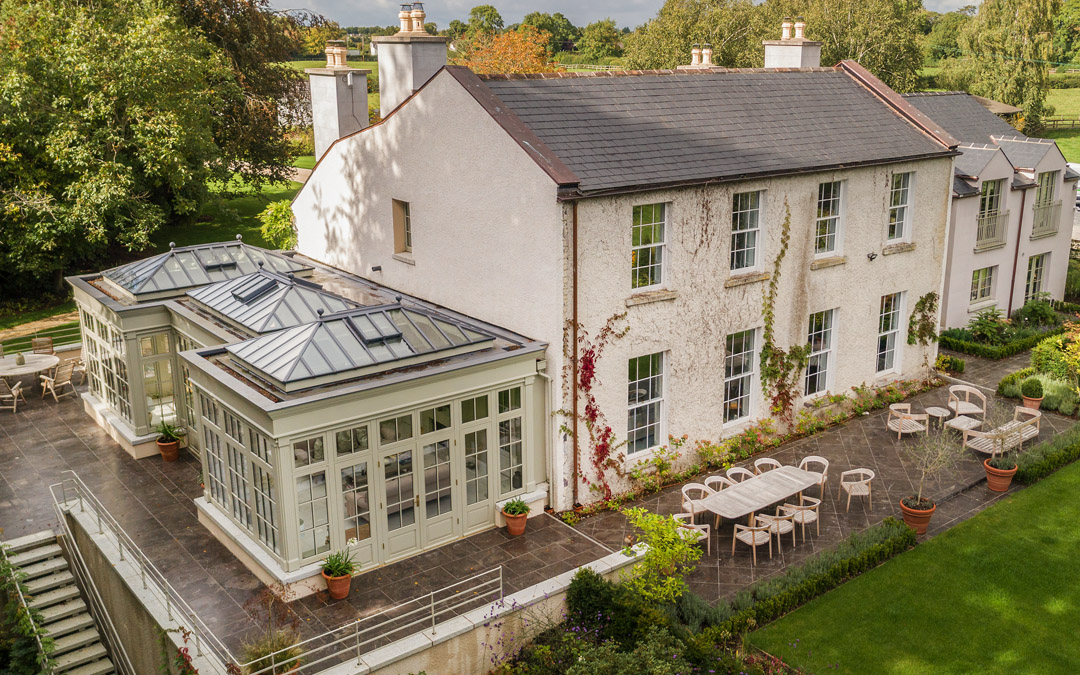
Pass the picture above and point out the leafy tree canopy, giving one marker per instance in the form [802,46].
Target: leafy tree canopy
[600,40]
[559,27]
[1067,33]
[730,26]
[515,51]
[107,119]
[485,19]
[942,43]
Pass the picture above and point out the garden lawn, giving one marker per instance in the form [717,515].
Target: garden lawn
[227,218]
[304,162]
[998,593]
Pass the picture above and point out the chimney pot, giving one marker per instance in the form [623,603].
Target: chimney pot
[418,16]
[786,29]
[800,28]
[405,17]
[695,55]
[706,55]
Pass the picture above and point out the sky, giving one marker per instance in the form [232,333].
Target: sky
[630,13]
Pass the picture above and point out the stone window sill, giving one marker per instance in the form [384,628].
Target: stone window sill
[405,258]
[901,247]
[1043,235]
[833,261]
[649,297]
[990,247]
[981,305]
[744,279]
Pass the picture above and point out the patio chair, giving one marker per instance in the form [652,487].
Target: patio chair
[694,492]
[80,369]
[805,513]
[717,483]
[903,421]
[9,396]
[781,524]
[753,536]
[693,531]
[812,463]
[856,482]
[56,383]
[965,400]
[737,474]
[42,345]
[765,464]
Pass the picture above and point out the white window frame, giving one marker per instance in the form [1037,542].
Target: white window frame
[1046,188]
[991,193]
[894,331]
[637,224]
[825,349]
[653,407]
[749,221]
[747,378]
[838,237]
[906,191]
[1040,265]
[982,284]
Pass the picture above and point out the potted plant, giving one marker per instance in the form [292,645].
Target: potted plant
[931,454]
[1031,390]
[1000,470]
[516,513]
[168,441]
[337,570]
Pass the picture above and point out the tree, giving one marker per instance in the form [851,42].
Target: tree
[730,26]
[516,51]
[560,28]
[313,38]
[485,19]
[942,43]
[1067,33]
[1005,48]
[599,40]
[108,114]
[457,28]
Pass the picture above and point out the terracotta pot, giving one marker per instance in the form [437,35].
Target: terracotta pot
[338,586]
[515,525]
[998,480]
[1032,403]
[917,519]
[170,451]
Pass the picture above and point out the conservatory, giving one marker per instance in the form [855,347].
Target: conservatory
[328,411]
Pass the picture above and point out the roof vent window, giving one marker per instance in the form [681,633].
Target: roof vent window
[254,291]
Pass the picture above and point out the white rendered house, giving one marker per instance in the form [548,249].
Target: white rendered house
[1011,224]
[550,203]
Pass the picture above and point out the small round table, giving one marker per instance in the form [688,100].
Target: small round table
[35,363]
[939,415]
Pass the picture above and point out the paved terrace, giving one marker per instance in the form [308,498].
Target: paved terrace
[152,500]
[862,442]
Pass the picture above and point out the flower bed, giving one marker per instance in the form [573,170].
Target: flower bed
[991,335]
[954,340]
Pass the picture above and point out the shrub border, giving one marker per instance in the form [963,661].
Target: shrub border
[1044,458]
[997,352]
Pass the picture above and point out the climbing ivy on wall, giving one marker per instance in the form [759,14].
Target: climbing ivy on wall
[922,324]
[780,368]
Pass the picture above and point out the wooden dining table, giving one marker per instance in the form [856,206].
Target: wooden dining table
[754,494]
[32,365]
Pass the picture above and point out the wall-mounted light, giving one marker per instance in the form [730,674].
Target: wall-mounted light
[871,256]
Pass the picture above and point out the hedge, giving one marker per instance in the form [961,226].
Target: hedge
[769,600]
[1014,380]
[996,351]
[1043,459]
[1068,307]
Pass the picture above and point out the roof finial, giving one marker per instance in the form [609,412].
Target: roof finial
[260,263]
[239,237]
[290,275]
[320,311]
[398,299]
[172,245]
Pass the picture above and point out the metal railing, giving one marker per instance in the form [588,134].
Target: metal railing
[45,660]
[74,494]
[991,232]
[1047,219]
[587,66]
[64,334]
[361,636]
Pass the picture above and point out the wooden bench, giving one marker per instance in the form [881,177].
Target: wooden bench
[1011,435]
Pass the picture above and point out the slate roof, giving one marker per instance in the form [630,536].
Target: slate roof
[1070,174]
[973,159]
[1024,152]
[962,188]
[657,128]
[962,116]
[263,302]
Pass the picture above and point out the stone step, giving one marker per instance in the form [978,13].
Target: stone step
[58,629]
[43,568]
[54,597]
[102,667]
[72,660]
[33,555]
[29,541]
[55,580]
[55,613]
[74,641]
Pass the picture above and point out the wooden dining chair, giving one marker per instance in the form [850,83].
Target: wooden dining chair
[42,345]
[10,396]
[781,523]
[856,482]
[753,536]
[805,513]
[818,465]
[765,464]
[737,474]
[694,492]
[55,384]
[694,532]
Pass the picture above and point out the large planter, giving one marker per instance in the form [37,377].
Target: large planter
[998,480]
[515,525]
[917,519]
[170,450]
[338,586]
[1032,403]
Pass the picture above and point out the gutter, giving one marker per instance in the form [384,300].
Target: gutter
[574,346]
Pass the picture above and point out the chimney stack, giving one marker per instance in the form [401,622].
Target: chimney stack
[792,52]
[706,56]
[695,56]
[338,98]
[407,59]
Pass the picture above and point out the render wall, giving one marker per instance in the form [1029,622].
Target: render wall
[701,302]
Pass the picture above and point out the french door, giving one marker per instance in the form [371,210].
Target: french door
[440,490]
[402,501]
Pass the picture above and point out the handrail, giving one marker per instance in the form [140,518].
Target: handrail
[117,653]
[63,334]
[46,663]
[204,638]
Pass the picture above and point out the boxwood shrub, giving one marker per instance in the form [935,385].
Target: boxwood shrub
[1044,458]
[1049,357]
[958,344]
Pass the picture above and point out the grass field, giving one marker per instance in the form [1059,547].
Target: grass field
[36,315]
[995,594]
[227,218]
[1066,102]
[304,162]
[373,66]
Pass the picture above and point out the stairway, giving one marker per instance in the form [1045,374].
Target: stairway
[51,589]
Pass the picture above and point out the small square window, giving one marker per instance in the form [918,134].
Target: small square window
[395,429]
[435,419]
[473,409]
[509,399]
